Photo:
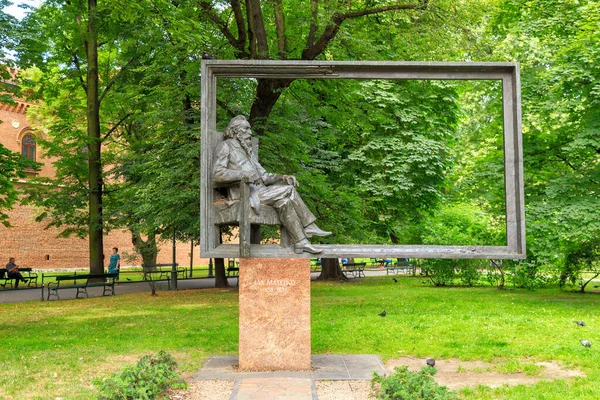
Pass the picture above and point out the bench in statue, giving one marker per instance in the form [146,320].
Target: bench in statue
[247,195]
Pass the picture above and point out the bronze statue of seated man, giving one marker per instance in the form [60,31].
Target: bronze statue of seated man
[233,161]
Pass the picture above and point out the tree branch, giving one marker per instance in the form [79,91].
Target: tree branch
[280,28]
[567,162]
[259,29]
[310,40]
[113,80]
[78,66]
[115,126]
[212,15]
[251,36]
[224,106]
[239,21]
[337,19]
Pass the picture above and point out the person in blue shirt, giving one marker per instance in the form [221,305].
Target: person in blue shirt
[114,266]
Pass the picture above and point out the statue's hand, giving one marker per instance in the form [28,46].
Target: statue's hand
[253,178]
[290,180]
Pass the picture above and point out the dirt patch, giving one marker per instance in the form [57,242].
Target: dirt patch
[343,390]
[453,373]
[457,374]
[205,390]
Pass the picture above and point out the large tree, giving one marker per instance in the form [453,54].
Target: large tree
[76,49]
[12,165]
[557,43]
[282,30]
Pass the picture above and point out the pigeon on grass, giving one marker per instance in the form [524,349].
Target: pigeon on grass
[382,314]
[585,343]
[580,323]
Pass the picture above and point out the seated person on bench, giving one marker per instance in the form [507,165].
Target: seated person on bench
[12,271]
[233,161]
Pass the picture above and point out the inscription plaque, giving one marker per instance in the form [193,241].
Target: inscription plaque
[274,314]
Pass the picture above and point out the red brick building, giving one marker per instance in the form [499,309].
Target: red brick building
[36,247]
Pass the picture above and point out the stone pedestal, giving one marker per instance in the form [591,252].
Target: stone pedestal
[274,314]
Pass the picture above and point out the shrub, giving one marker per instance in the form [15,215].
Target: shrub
[148,379]
[407,385]
[529,274]
[441,272]
[469,271]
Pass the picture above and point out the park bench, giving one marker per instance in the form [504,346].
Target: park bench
[399,267]
[232,268]
[315,264]
[356,269]
[81,283]
[26,272]
[376,262]
[152,272]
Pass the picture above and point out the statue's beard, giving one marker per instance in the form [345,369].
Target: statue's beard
[246,144]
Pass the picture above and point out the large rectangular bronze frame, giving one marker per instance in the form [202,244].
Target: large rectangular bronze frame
[508,73]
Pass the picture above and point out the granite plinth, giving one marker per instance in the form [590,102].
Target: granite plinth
[274,314]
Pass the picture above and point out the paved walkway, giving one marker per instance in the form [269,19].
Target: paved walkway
[279,385]
[33,294]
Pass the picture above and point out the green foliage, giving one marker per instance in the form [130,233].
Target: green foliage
[443,272]
[462,224]
[148,379]
[557,43]
[371,176]
[12,167]
[584,259]
[440,272]
[469,271]
[407,385]
[149,116]
[526,274]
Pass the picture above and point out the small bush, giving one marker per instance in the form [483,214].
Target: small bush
[406,385]
[469,271]
[441,272]
[146,380]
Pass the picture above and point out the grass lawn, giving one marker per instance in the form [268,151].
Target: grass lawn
[54,349]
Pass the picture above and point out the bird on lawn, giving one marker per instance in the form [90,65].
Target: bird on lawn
[395,280]
[580,323]
[585,343]
[382,314]
[424,282]
[128,279]
[430,362]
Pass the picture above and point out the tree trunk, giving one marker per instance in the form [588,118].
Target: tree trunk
[95,227]
[331,271]
[220,277]
[267,94]
[149,251]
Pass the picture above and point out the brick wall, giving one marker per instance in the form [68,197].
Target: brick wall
[36,247]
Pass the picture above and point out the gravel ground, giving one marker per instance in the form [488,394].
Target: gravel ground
[343,390]
[326,390]
[205,390]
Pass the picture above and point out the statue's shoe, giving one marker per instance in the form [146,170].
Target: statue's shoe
[313,230]
[305,246]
